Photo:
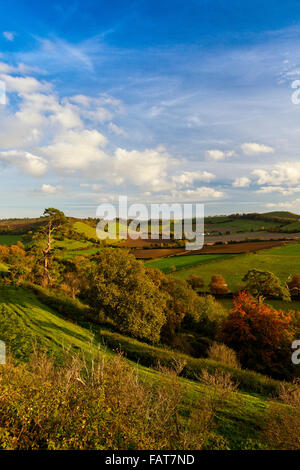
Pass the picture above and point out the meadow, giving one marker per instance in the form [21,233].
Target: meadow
[167,265]
[282,261]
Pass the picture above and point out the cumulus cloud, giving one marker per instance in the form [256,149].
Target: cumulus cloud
[284,173]
[23,84]
[147,168]
[76,150]
[50,189]
[46,132]
[218,154]
[25,161]
[188,178]
[242,182]
[252,148]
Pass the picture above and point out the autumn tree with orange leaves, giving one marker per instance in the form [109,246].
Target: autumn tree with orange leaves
[260,335]
[218,285]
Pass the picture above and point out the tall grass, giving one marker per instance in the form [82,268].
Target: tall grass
[104,405]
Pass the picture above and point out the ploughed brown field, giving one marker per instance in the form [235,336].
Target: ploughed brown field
[235,248]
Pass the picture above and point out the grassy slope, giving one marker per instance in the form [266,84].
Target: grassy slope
[25,319]
[282,261]
[85,229]
[8,240]
[22,313]
[294,226]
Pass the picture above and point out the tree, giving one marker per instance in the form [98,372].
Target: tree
[120,288]
[182,304]
[294,285]
[266,284]
[56,222]
[195,281]
[218,285]
[260,335]
[74,276]
[212,315]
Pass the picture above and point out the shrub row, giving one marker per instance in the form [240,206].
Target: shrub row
[151,356]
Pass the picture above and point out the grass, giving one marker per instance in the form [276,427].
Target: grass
[183,261]
[150,356]
[8,240]
[282,261]
[69,244]
[85,229]
[291,227]
[3,268]
[24,319]
[86,252]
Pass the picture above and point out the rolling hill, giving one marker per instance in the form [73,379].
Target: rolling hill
[26,321]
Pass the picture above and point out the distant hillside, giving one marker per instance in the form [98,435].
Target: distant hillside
[282,214]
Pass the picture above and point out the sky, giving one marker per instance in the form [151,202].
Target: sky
[194,101]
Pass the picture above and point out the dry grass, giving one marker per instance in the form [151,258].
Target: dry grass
[282,425]
[102,405]
[222,353]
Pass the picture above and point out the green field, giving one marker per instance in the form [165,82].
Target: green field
[183,261]
[8,240]
[282,261]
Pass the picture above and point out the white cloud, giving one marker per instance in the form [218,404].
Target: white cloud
[24,84]
[278,189]
[284,173]
[284,205]
[252,148]
[200,194]
[218,154]
[76,150]
[25,161]
[61,54]
[187,178]
[62,134]
[116,129]
[50,189]
[242,182]
[147,168]
[9,35]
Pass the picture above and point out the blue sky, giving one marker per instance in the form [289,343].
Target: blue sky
[161,101]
